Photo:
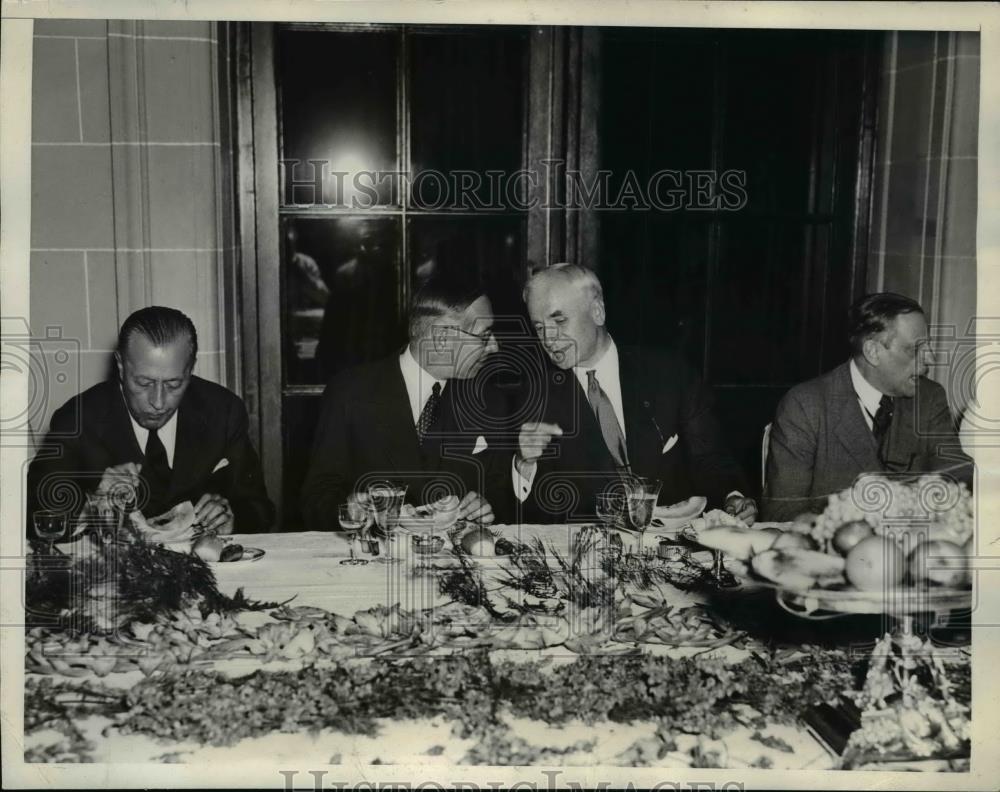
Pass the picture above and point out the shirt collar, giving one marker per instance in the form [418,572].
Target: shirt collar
[606,368]
[868,394]
[419,383]
[167,433]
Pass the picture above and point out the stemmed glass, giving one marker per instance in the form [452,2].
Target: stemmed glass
[352,516]
[101,516]
[642,495]
[386,500]
[611,507]
[50,525]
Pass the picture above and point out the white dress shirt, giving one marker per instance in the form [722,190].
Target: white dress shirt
[608,376]
[419,384]
[868,395]
[606,370]
[167,434]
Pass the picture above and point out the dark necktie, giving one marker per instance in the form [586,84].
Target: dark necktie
[156,470]
[428,415]
[614,438]
[880,425]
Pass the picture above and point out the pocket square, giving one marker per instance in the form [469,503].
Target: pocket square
[669,444]
[221,464]
[480,445]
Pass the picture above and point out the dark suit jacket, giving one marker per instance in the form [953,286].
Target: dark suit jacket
[820,442]
[92,431]
[365,433]
[661,397]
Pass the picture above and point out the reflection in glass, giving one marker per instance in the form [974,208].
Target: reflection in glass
[338,108]
[466,113]
[340,293]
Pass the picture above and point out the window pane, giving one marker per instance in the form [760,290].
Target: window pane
[338,106]
[449,246]
[340,294]
[466,112]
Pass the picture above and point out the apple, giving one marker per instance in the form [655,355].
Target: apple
[940,563]
[790,539]
[479,542]
[874,564]
[849,534]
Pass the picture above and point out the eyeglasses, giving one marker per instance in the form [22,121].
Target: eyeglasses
[484,338]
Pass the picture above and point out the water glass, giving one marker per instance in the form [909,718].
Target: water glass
[643,494]
[386,500]
[353,517]
[50,525]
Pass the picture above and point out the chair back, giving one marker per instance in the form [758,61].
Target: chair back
[765,446]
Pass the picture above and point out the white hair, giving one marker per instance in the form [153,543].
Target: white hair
[566,274]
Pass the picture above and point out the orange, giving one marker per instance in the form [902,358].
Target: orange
[874,564]
[939,562]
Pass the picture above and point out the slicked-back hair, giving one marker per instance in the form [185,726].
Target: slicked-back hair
[438,297]
[570,274]
[161,326]
[872,314]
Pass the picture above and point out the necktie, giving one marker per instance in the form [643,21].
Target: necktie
[614,438]
[429,414]
[156,470]
[880,425]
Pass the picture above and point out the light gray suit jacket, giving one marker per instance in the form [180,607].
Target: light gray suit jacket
[820,442]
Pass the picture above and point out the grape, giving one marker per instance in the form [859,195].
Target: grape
[932,506]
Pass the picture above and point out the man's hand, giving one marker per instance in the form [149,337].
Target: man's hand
[743,508]
[214,514]
[476,508]
[127,473]
[532,441]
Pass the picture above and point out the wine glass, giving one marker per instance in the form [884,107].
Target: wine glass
[386,501]
[611,509]
[642,496]
[352,516]
[101,516]
[50,525]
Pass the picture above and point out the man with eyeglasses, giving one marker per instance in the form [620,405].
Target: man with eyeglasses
[416,418]
[878,412]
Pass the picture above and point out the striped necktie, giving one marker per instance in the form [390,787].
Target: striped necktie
[614,438]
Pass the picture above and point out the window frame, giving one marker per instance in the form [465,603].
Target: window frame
[560,76]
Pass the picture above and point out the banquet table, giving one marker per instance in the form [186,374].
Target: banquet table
[305,568]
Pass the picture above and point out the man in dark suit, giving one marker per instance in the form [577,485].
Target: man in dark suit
[174,436]
[877,412]
[415,418]
[601,411]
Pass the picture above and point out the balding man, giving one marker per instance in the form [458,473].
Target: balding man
[877,412]
[601,411]
[184,437]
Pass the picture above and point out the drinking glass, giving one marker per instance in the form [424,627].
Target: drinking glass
[101,516]
[352,516]
[611,509]
[50,525]
[386,501]
[642,496]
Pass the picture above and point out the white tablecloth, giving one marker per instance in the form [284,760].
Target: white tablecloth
[307,566]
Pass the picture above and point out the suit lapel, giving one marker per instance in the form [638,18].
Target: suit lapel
[189,439]
[393,421]
[641,435]
[851,428]
[116,431]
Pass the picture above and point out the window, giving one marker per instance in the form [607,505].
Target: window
[393,141]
